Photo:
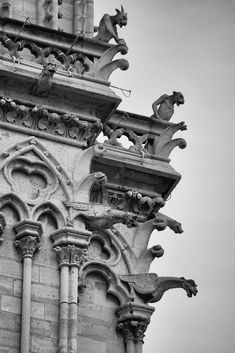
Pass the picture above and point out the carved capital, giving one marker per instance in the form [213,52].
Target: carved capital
[77,256]
[62,255]
[70,255]
[28,246]
[133,321]
[28,237]
[133,329]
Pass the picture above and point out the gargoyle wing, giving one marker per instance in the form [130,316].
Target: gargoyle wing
[143,283]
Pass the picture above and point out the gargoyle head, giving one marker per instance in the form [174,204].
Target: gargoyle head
[189,286]
[179,98]
[121,17]
[49,69]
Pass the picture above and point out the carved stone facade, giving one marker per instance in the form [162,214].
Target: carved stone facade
[76,215]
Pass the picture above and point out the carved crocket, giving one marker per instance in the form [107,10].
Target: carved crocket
[108,27]
[163,107]
[151,287]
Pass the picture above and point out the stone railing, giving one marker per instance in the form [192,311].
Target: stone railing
[79,57]
[148,136]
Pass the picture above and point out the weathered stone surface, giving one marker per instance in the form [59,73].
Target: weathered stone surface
[43,344]
[11,304]
[46,294]
[6,285]
[37,310]
[9,338]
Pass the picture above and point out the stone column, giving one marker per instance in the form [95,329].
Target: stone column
[70,246]
[78,257]
[63,258]
[83,19]
[133,332]
[89,19]
[27,240]
[78,16]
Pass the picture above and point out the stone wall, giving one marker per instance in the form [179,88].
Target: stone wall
[97,320]
[68,15]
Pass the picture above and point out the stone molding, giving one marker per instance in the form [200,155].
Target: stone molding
[79,56]
[61,126]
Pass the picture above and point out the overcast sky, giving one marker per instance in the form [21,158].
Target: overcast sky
[189,46]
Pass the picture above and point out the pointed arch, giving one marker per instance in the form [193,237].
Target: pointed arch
[15,203]
[115,287]
[52,210]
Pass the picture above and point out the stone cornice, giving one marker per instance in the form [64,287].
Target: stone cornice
[42,121]
[46,36]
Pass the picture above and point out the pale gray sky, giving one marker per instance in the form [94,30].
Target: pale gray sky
[189,45]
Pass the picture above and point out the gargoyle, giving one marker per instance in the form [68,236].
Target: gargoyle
[151,287]
[108,27]
[163,107]
[106,219]
[171,223]
[44,81]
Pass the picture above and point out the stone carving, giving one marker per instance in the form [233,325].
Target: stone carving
[105,219]
[108,27]
[151,287]
[28,245]
[133,329]
[44,81]
[130,201]
[163,144]
[138,141]
[83,188]
[145,144]
[70,255]
[29,160]
[39,118]
[76,64]
[104,67]
[2,226]
[171,223]
[163,107]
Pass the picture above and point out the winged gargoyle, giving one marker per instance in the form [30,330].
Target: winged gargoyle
[151,287]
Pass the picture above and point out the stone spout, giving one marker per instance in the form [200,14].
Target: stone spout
[151,287]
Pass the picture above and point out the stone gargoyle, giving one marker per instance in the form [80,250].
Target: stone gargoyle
[45,80]
[108,27]
[163,107]
[105,218]
[151,287]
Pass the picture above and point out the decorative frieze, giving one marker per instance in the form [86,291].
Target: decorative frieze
[39,118]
